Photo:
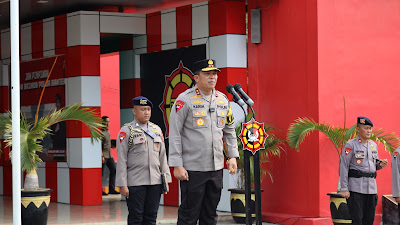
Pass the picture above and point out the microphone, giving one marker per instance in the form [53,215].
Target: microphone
[243,94]
[235,95]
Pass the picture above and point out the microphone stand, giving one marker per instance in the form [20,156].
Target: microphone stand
[257,184]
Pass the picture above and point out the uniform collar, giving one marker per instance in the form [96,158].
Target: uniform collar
[200,93]
[360,141]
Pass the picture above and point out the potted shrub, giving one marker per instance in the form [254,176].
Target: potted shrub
[35,200]
[339,136]
[273,146]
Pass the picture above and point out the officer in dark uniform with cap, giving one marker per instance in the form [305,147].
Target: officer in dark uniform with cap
[200,118]
[142,161]
[358,166]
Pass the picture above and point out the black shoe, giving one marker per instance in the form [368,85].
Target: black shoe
[113,192]
[104,193]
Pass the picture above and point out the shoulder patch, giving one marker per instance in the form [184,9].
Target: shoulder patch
[395,154]
[347,150]
[122,136]
[179,105]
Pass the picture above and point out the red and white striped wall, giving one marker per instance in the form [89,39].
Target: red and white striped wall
[220,24]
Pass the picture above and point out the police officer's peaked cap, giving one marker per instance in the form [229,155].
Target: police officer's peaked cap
[205,65]
[364,121]
[142,101]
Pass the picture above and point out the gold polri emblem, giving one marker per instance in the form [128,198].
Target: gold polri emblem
[200,122]
[362,121]
[143,101]
[197,102]
[359,161]
[210,63]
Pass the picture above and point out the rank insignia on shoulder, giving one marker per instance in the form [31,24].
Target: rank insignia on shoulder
[359,140]
[395,154]
[197,91]
[347,150]
[179,104]
[122,136]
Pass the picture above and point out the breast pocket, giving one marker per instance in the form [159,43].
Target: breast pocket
[157,143]
[139,144]
[359,157]
[200,118]
[221,118]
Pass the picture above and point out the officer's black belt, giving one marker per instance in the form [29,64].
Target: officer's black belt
[358,174]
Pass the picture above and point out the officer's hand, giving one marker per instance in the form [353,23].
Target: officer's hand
[345,194]
[397,199]
[383,162]
[232,165]
[180,173]
[124,191]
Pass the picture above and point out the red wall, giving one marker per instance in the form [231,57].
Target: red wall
[358,48]
[311,55]
[283,80]
[110,104]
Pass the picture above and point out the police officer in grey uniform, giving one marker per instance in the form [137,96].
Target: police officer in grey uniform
[141,162]
[396,177]
[200,118]
[358,166]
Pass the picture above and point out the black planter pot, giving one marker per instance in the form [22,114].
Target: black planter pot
[238,204]
[34,206]
[339,210]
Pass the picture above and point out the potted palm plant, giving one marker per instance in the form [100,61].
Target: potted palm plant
[273,146]
[339,136]
[35,200]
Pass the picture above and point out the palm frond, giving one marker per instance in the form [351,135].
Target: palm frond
[33,135]
[302,128]
[77,113]
[390,141]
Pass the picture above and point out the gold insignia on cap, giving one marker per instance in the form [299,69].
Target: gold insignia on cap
[210,63]
[143,101]
[362,121]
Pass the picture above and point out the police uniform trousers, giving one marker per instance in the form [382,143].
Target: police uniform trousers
[110,163]
[362,208]
[143,204]
[200,196]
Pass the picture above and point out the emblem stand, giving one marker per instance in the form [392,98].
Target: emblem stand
[253,137]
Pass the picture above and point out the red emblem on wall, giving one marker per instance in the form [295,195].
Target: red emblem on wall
[253,136]
[177,82]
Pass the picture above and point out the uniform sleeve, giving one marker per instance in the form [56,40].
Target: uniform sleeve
[230,135]
[396,174]
[102,141]
[163,161]
[122,153]
[177,119]
[347,154]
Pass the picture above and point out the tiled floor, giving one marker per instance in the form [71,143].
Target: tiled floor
[112,212]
